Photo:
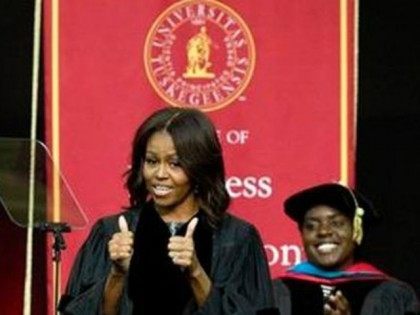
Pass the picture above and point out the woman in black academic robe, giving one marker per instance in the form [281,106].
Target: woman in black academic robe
[186,255]
[335,281]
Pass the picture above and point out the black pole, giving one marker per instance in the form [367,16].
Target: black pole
[57,229]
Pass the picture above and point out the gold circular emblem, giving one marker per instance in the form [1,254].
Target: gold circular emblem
[199,53]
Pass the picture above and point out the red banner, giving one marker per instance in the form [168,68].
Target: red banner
[275,76]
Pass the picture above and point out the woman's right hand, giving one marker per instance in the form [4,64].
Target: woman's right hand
[120,248]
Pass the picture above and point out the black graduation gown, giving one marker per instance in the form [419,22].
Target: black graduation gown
[239,271]
[372,297]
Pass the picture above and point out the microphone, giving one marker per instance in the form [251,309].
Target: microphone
[173,227]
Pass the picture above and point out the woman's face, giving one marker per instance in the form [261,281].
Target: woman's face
[164,177]
[327,236]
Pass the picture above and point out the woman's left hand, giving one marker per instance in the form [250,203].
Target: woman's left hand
[337,304]
[182,250]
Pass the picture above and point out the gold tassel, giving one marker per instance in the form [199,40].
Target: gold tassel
[357,225]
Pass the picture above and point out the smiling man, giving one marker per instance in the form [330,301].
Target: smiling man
[334,280]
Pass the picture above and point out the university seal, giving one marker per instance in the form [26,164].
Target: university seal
[199,54]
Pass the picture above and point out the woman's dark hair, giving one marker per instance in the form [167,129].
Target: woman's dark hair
[199,152]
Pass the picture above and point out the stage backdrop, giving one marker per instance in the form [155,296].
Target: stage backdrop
[276,76]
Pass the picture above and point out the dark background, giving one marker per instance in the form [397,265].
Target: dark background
[388,139]
[16,41]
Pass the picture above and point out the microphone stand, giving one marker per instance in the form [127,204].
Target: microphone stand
[57,229]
